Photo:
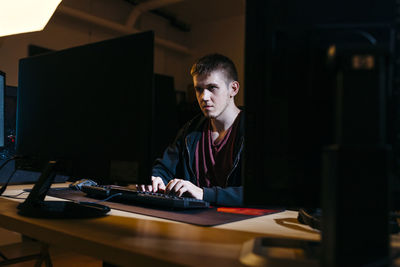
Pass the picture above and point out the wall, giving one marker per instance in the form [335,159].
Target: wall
[225,36]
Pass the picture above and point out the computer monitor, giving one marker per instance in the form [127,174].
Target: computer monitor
[87,112]
[91,108]
[320,88]
[2,117]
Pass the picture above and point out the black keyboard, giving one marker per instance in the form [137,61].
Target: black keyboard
[142,197]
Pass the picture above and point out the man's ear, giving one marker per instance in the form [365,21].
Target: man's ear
[235,88]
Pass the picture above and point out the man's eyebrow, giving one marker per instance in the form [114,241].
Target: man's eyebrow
[206,85]
[212,84]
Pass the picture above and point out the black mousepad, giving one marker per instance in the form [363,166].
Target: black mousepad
[204,217]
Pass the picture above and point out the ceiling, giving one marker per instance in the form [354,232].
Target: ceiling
[190,12]
[183,14]
[196,11]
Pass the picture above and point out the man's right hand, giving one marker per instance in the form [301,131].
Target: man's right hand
[156,186]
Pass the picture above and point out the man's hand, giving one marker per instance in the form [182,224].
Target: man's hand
[179,187]
[156,185]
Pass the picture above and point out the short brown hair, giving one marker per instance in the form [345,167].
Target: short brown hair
[213,62]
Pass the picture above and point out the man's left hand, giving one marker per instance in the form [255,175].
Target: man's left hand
[179,187]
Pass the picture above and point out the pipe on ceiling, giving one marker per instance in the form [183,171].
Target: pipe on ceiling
[146,6]
[120,28]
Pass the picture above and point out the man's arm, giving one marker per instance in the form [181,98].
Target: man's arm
[228,196]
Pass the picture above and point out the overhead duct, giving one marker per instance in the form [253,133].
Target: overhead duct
[124,29]
[146,6]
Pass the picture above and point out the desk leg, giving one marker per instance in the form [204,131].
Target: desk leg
[41,257]
[44,257]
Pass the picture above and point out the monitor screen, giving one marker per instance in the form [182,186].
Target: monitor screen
[2,117]
[91,108]
[10,110]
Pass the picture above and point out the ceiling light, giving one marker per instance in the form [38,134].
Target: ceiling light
[20,16]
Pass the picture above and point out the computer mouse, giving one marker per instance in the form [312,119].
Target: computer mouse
[77,185]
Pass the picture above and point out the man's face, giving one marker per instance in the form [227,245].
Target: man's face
[213,93]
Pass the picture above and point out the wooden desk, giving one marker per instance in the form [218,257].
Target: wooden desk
[129,239]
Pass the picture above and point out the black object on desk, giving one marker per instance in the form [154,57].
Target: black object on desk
[36,206]
[202,217]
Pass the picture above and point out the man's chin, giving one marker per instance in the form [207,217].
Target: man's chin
[210,116]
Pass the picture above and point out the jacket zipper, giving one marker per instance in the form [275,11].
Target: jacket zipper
[236,162]
[187,150]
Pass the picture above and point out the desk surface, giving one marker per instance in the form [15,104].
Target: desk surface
[124,238]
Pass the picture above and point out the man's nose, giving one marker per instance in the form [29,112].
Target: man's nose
[206,95]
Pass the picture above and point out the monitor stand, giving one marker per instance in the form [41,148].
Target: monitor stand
[36,206]
[270,251]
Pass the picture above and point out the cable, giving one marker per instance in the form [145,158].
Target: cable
[311,218]
[15,196]
[103,200]
[3,256]
[108,198]
[367,36]
[3,188]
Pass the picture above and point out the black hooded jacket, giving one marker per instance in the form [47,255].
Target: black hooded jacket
[178,159]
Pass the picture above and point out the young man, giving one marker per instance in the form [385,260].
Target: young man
[204,161]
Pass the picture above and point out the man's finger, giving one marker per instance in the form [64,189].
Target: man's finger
[180,187]
[171,185]
[158,186]
[155,186]
[161,186]
[181,191]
